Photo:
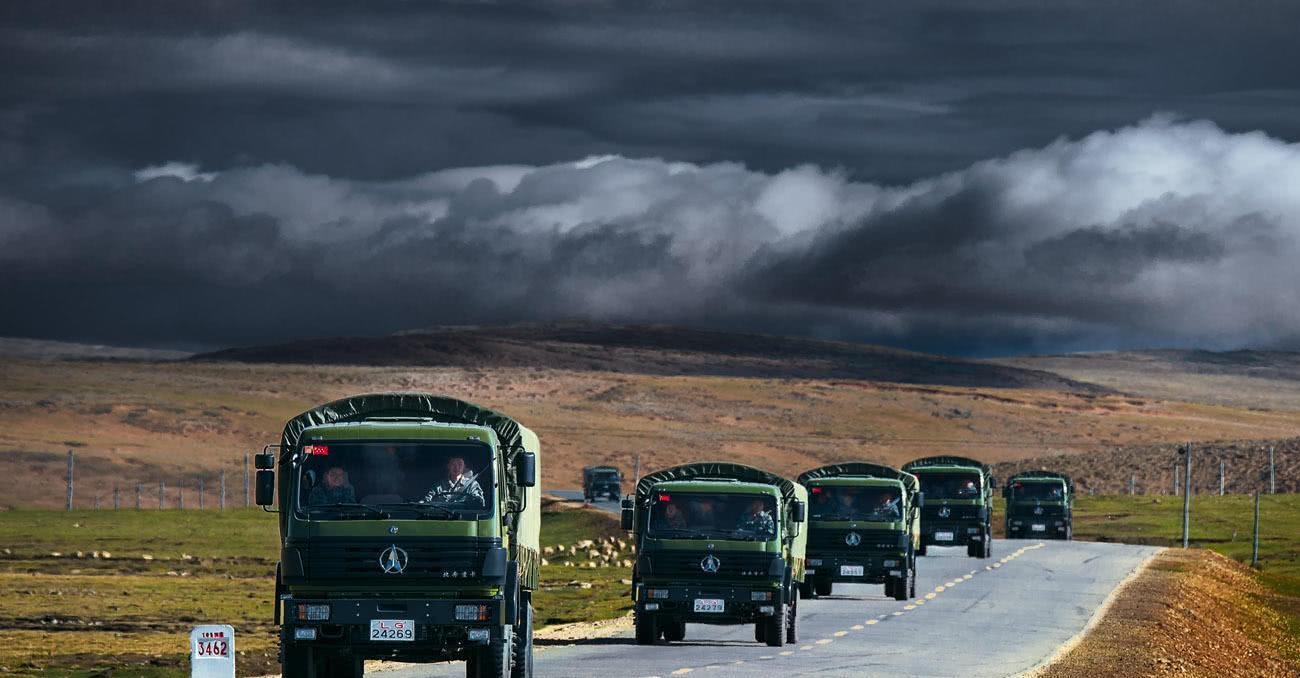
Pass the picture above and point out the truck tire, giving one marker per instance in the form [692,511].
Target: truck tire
[523,659]
[338,665]
[911,591]
[647,629]
[987,551]
[822,586]
[792,623]
[760,631]
[774,627]
[889,587]
[974,549]
[903,585]
[675,631]
[806,589]
[920,550]
[297,661]
[493,660]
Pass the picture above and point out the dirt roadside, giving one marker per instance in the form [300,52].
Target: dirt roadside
[1190,613]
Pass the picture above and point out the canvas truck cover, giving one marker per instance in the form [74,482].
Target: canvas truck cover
[1025,475]
[947,460]
[512,436]
[863,469]
[723,470]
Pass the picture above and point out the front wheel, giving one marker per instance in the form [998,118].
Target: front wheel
[920,551]
[494,659]
[297,662]
[792,623]
[903,585]
[523,650]
[774,627]
[806,589]
[647,629]
[675,631]
[822,586]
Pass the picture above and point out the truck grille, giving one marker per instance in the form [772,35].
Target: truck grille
[834,540]
[731,565]
[956,513]
[1028,511]
[439,559]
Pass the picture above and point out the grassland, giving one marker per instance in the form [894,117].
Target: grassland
[116,592]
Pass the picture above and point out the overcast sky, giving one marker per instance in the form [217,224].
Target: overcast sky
[969,177]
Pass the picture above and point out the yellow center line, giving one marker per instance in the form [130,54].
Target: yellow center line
[930,596]
[872,621]
[824,641]
[909,607]
[898,614]
[939,589]
[841,634]
[856,627]
[988,568]
[997,564]
[806,647]
[920,601]
[683,671]
[787,653]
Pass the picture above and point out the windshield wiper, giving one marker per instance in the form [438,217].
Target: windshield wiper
[380,513]
[425,509]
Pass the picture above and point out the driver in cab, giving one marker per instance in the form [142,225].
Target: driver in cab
[460,487]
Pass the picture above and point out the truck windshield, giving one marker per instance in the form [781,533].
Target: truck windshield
[950,485]
[353,480]
[845,502]
[1037,492]
[698,515]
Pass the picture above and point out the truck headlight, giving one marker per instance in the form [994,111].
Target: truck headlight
[471,613]
[890,563]
[760,595]
[304,633]
[767,609]
[310,612]
[814,562]
[480,635]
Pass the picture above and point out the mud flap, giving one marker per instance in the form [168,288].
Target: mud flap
[510,593]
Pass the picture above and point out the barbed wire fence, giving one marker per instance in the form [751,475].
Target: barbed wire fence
[221,488]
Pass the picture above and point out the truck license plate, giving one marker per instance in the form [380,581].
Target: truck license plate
[850,570]
[1038,527]
[943,536]
[709,605]
[392,629]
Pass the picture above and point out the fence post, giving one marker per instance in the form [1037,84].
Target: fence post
[162,490]
[70,463]
[247,498]
[95,502]
[1254,548]
[222,501]
[1177,471]
[1220,477]
[1132,484]
[180,496]
[117,498]
[1187,495]
[139,493]
[200,494]
[1272,472]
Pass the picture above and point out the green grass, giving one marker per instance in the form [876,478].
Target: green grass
[125,615]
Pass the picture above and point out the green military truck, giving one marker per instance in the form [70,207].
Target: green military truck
[864,526]
[1039,505]
[717,543]
[408,526]
[598,481]
[958,503]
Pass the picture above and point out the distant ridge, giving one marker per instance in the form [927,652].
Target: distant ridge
[44,349]
[650,349]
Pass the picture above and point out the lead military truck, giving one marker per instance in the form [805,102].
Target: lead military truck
[864,526]
[1039,505]
[707,554]
[958,503]
[383,556]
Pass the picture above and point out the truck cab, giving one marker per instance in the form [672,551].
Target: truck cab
[958,503]
[717,543]
[1039,505]
[409,527]
[864,527]
[598,481]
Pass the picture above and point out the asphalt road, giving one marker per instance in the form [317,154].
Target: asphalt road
[603,504]
[996,617]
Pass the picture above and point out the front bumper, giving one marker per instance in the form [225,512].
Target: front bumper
[437,633]
[875,567]
[1037,528]
[678,602]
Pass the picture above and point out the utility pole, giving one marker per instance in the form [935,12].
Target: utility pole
[1220,477]
[1187,494]
[70,463]
[1254,549]
[1272,472]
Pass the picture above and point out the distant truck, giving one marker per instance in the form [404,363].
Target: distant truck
[409,531]
[1039,505]
[958,503]
[717,543]
[864,526]
[600,481]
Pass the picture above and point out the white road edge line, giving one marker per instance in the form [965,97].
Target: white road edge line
[1097,616]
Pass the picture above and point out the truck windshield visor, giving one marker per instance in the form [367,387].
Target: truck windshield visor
[843,502]
[950,485]
[698,515]
[1037,492]
[355,480]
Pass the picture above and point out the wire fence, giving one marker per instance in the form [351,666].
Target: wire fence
[212,489]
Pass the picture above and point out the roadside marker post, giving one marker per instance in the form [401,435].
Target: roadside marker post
[212,651]
[1254,542]
[1187,494]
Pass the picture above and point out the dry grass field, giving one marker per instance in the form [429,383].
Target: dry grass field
[138,422]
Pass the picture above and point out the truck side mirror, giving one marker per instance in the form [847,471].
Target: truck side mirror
[627,503]
[627,518]
[265,487]
[798,511]
[264,461]
[527,474]
[920,499]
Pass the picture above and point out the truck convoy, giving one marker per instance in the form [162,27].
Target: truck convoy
[409,530]
[864,528]
[598,481]
[717,543]
[1039,505]
[958,503]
